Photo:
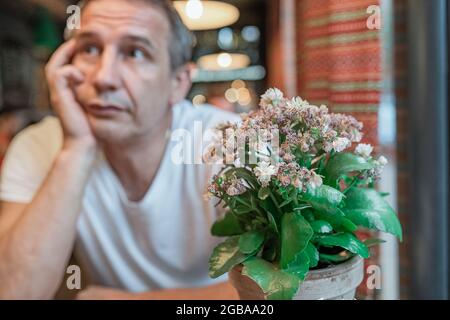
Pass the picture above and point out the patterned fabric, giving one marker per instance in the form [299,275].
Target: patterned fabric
[339,65]
[339,61]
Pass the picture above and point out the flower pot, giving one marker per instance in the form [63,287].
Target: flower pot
[337,282]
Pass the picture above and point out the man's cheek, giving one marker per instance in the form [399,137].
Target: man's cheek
[83,94]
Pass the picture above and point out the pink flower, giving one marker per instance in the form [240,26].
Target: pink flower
[271,98]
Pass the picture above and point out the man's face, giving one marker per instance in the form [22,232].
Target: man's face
[123,51]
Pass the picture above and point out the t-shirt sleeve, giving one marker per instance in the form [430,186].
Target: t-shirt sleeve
[28,161]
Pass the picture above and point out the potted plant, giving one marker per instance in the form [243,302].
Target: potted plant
[295,192]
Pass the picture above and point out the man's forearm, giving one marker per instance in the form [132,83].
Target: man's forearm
[37,247]
[221,291]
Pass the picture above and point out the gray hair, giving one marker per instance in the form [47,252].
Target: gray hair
[182,40]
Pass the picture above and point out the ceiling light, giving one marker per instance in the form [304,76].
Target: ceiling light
[206,15]
[194,9]
[223,61]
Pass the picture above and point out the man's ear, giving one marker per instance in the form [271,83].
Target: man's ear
[181,83]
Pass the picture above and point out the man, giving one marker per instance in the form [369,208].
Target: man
[100,178]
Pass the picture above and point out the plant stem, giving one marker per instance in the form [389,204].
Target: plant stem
[272,196]
[355,179]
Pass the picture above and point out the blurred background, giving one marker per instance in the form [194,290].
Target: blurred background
[383,61]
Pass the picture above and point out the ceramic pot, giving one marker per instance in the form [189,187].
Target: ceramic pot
[337,282]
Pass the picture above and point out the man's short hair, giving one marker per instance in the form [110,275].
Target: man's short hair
[182,40]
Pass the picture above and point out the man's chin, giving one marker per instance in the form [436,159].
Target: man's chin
[108,130]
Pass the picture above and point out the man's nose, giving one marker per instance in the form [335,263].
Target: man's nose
[107,77]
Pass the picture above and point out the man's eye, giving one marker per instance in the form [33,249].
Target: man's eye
[136,53]
[91,50]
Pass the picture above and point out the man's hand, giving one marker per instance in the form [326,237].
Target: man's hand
[62,78]
[221,291]
[103,293]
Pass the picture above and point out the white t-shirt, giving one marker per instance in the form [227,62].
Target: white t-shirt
[162,241]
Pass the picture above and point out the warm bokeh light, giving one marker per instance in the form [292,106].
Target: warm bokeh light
[206,15]
[232,95]
[199,99]
[237,84]
[223,61]
[244,96]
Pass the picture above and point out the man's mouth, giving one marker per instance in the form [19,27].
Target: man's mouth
[104,109]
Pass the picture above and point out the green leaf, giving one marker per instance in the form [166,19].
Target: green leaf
[346,225]
[308,215]
[321,226]
[373,242]
[263,193]
[225,256]
[251,241]
[285,202]
[313,255]
[228,226]
[295,235]
[299,267]
[336,258]
[337,220]
[344,240]
[342,163]
[275,283]
[270,207]
[366,207]
[325,200]
[323,197]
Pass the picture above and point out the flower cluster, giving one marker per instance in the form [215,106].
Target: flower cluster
[273,141]
[292,174]
[313,129]
[232,186]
